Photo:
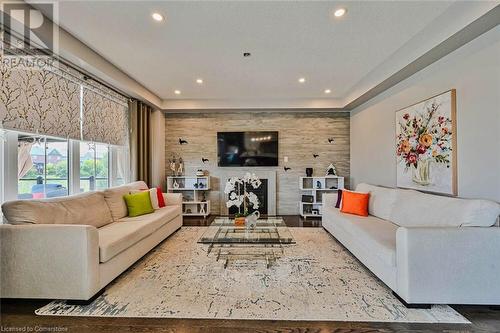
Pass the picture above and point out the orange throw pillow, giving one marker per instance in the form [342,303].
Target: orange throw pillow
[355,203]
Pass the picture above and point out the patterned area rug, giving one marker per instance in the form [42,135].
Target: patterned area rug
[315,279]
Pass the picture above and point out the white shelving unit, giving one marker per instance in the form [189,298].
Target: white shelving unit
[316,187]
[194,193]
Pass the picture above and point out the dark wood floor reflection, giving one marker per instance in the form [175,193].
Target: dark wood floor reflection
[290,220]
[19,314]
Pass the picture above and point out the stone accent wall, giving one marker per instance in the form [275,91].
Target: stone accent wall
[300,136]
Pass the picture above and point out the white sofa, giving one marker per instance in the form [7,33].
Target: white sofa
[72,247]
[428,249]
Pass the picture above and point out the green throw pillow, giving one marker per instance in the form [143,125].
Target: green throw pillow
[138,203]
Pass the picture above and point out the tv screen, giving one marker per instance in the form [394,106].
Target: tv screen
[247,149]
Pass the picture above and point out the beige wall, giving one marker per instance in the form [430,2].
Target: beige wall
[300,135]
[474,70]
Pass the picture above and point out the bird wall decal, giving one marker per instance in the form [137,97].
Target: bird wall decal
[315,155]
[330,140]
[182,142]
[287,168]
[204,160]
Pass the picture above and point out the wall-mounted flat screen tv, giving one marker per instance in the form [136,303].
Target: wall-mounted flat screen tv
[247,149]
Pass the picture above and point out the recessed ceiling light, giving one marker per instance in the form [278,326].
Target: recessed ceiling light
[177,92]
[157,17]
[302,80]
[327,91]
[199,81]
[340,12]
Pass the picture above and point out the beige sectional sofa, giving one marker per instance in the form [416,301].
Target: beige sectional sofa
[72,247]
[428,249]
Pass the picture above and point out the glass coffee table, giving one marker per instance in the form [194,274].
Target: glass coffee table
[234,242]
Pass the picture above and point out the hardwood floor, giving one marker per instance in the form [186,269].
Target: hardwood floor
[18,316]
[290,220]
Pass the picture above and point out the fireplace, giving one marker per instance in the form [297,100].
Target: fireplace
[266,192]
[262,193]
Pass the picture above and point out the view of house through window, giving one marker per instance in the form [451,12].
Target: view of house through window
[42,167]
[94,166]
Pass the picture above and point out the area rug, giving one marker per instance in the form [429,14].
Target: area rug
[315,279]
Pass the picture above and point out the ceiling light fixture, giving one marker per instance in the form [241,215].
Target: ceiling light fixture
[177,92]
[340,12]
[199,81]
[327,91]
[302,80]
[157,17]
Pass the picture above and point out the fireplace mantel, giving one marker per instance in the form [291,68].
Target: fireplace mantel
[270,175]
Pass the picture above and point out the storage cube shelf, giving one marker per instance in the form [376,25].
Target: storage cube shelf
[315,187]
[193,190]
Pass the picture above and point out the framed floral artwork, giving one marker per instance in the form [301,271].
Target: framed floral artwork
[426,145]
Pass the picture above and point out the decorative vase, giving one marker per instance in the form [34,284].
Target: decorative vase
[251,220]
[309,172]
[421,173]
[239,220]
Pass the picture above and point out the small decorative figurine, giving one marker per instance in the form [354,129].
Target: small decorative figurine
[331,170]
[318,184]
[180,170]
[172,166]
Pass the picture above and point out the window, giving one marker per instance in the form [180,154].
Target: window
[94,166]
[42,167]
[34,166]
[119,166]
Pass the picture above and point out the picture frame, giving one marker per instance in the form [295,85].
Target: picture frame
[426,145]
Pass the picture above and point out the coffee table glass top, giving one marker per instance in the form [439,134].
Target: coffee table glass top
[270,230]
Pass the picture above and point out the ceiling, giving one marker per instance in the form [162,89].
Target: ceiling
[287,40]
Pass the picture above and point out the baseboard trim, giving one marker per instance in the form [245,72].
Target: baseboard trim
[413,305]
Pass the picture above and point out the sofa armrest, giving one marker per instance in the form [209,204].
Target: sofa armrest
[448,265]
[173,199]
[54,261]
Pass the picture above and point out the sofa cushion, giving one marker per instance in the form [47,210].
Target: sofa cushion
[114,198]
[416,209]
[382,200]
[138,203]
[86,208]
[354,203]
[376,235]
[118,236]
